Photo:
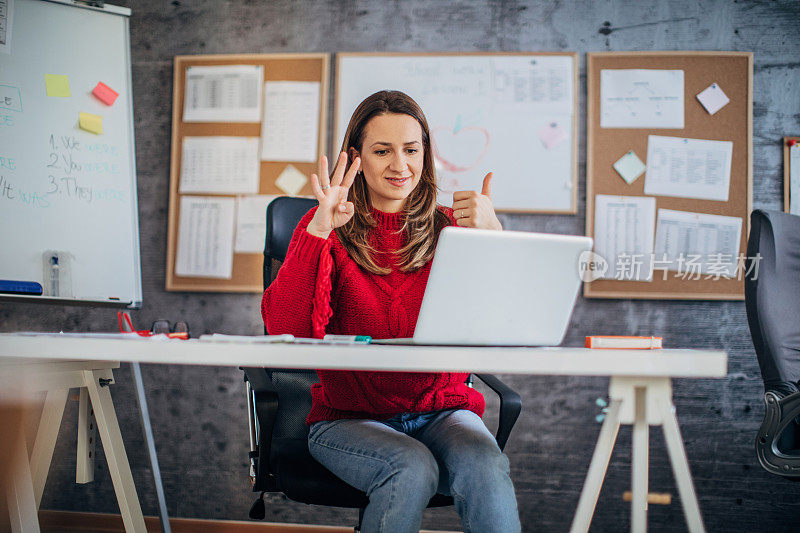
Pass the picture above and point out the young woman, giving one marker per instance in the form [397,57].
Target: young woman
[357,265]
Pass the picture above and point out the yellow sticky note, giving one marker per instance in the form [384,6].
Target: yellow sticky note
[57,85]
[91,123]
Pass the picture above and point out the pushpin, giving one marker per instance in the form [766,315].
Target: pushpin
[791,142]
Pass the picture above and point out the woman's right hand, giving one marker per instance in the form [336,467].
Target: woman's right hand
[334,210]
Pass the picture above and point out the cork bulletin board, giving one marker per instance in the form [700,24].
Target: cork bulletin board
[733,72]
[788,142]
[247,267]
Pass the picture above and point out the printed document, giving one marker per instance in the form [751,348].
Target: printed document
[205,237]
[641,98]
[251,223]
[689,168]
[544,83]
[226,165]
[290,129]
[697,243]
[794,179]
[229,93]
[623,235]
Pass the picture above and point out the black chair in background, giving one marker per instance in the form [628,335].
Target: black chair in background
[280,399]
[772,298]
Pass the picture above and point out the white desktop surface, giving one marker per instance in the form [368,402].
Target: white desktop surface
[640,394]
[502,360]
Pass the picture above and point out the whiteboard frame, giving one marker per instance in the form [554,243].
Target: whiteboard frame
[573,210]
[113,10]
[787,194]
[136,301]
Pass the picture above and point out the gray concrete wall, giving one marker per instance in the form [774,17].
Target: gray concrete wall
[199,416]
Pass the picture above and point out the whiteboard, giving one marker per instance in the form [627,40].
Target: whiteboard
[511,114]
[63,189]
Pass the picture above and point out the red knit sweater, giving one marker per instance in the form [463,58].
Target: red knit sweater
[320,289]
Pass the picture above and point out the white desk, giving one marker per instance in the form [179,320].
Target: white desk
[640,390]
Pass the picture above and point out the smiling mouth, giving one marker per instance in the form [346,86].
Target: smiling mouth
[398,181]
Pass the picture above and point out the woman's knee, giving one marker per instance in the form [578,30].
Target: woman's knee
[413,470]
[482,466]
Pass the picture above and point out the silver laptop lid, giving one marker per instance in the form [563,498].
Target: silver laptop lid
[500,288]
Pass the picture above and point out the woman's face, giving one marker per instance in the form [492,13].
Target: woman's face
[391,159]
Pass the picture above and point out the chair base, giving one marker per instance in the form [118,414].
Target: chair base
[773,443]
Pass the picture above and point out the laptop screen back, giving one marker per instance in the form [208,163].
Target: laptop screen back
[502,288]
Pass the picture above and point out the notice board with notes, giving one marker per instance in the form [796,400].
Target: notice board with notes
[669,174]
[68,205]
[246,128]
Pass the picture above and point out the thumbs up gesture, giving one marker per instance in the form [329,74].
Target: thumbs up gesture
[474,209]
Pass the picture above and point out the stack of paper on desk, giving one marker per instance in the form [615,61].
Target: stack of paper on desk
[257,339]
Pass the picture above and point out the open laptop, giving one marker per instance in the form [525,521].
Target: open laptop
[499,288]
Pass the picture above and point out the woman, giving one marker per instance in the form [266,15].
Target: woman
[357,265]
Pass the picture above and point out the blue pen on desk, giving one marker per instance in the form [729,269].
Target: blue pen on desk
[347,339]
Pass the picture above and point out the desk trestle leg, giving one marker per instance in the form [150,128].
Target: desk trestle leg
[118,465]
[641,451]
[87,435]
[641,402]
[597,469]
[680,467]
[46,435]
[20,498]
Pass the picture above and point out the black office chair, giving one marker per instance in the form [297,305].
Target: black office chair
[280,399]
[772,298]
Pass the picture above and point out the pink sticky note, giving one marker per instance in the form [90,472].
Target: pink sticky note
[551,135]
[104,93]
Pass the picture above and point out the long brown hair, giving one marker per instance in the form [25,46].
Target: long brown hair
[422,220]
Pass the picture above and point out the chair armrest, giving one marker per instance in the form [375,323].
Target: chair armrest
[510,407]
[266,407]
[258,378]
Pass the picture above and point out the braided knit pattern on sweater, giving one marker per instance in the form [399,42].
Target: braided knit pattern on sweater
[320,289]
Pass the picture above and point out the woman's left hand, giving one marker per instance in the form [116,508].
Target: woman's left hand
[474,209]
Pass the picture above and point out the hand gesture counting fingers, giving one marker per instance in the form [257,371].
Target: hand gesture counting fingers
[474,209]
[331,192]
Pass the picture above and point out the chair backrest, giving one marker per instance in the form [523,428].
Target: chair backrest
[772,297]
[292,386]
[283,215]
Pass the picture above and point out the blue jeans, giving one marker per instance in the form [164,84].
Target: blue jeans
[402,462]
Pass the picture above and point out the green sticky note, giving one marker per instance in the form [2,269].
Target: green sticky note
[57,85]
[91,123]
